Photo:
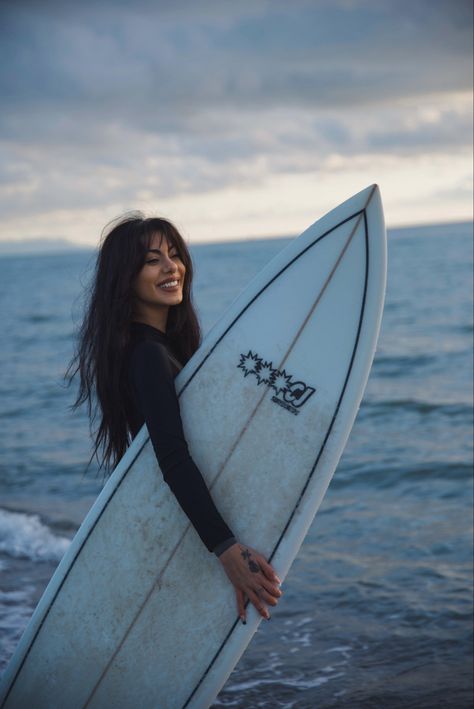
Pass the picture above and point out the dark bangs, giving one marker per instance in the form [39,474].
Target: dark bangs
[156,225]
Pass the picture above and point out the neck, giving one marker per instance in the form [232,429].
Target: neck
[156,317]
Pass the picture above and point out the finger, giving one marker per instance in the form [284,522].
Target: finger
[240,598]
[266,597]
[270,587]
[268,570]
[255,600]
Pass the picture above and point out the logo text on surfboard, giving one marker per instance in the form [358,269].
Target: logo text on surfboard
[289,393]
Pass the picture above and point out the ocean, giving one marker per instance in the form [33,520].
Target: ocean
[377,609]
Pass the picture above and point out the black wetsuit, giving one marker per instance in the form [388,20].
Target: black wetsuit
[151,370]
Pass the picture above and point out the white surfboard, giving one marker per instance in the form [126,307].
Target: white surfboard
[138,612]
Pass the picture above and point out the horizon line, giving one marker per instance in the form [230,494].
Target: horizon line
[68,243]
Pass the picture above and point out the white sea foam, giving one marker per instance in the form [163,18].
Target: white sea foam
[298,683]
[25,536]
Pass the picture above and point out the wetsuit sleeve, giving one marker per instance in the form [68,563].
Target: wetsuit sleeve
[152,383]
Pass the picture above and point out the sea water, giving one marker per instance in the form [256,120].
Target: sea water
[377,607]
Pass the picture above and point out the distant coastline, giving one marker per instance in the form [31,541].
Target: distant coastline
[52,246]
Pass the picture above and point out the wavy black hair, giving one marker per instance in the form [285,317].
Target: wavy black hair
[104,334]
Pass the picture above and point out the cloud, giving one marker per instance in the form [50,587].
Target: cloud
[116,102]
[154,67]
[130,166]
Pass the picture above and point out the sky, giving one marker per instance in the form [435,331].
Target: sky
[233,119]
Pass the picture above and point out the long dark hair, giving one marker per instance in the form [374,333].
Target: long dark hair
[105,330]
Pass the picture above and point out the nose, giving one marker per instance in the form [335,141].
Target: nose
[169,265]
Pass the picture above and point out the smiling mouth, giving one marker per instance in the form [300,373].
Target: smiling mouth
[169,285]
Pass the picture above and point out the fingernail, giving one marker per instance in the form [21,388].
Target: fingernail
[244,622]
[277,580]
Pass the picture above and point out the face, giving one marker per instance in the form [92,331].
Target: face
[159,283]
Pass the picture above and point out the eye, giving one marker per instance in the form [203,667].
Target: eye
[153,260]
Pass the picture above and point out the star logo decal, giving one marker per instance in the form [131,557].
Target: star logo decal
[281,381]
[265,373]
[290,394]
[249,363]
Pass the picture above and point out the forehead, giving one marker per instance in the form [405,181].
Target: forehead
[159,242]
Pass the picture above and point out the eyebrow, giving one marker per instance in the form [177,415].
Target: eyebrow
[158,251]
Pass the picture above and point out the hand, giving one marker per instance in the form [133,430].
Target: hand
[252,577]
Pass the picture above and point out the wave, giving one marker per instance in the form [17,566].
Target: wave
[419,407]
[387,475]
[400,365]
[25,536]
[39,318]
[404,360]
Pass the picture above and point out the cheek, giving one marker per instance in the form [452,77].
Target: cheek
[140,284]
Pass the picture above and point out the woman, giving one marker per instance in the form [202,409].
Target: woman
[139,329]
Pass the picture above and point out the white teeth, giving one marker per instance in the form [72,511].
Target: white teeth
[170,284]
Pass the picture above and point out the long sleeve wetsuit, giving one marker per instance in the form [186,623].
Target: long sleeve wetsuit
[151,370]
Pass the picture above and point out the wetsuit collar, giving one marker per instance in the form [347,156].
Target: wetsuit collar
[140,327]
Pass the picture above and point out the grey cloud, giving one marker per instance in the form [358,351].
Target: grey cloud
[114,98]
[451,131]
[51,177]
[129,61]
